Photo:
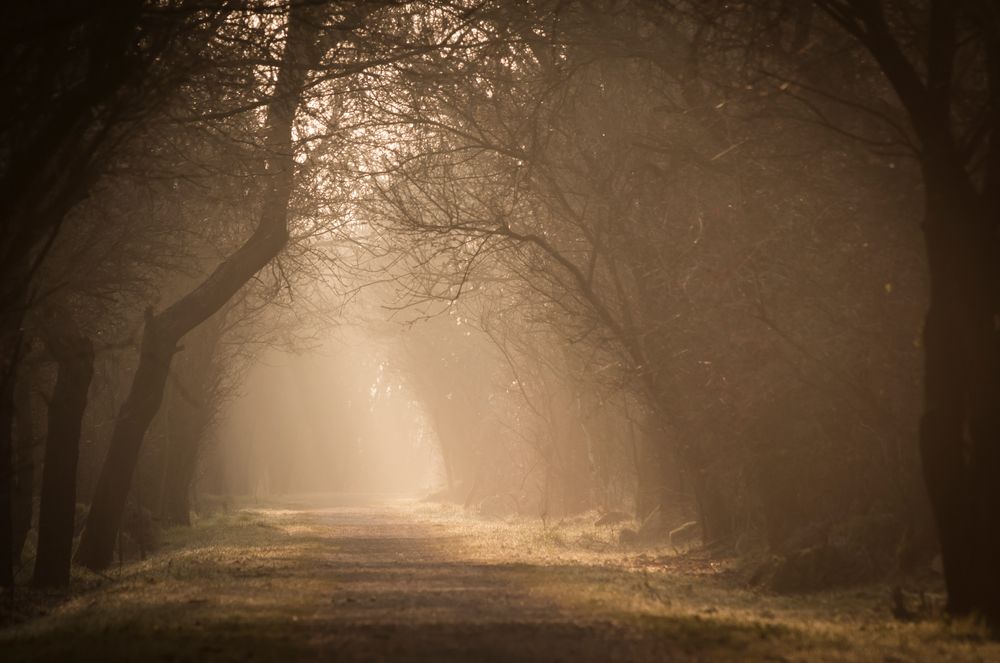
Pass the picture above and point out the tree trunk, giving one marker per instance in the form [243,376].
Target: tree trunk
[6,464]
[189,404]
[164,331]
[10,354]
[715,508]
[715,513]
[74,355]
[24,464]
[185,430]
[960,428]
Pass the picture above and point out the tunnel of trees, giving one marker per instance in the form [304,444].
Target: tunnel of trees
[732,263]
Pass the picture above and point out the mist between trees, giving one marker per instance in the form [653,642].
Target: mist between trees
[722,263]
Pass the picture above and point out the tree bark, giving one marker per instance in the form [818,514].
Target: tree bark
[187,422]
[10,355]
[74,355]
[184,436]
[714,506]
[24,464]
[960,428]
[6,464]
[164,331]
[715,513]
[189,403]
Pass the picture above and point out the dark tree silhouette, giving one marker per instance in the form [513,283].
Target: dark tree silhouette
[164,330]
[80,76]
[960,429]
[74,355]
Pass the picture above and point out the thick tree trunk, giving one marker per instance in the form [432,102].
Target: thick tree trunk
[10,354]
[960,429]
[74,355]
[98,539]
[185,430]
[164,331]
[6,464]
[25,444]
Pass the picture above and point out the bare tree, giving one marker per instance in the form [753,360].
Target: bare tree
[942,59]
[164,330]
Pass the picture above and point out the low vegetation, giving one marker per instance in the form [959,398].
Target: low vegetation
[298,577]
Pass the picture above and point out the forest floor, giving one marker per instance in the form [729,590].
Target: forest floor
[346,580]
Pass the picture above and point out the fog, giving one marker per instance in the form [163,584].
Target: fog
[601,321]
[334,418]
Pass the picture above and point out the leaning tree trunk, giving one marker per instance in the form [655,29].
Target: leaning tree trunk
[164,331]
[960,428]
[74,355]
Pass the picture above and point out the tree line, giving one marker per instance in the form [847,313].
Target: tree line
[722,261]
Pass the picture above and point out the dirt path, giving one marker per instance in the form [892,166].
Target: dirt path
[356,582]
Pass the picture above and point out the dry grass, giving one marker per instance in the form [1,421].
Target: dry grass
[655,587]
[310,578]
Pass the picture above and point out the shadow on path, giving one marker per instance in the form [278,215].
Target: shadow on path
[355,582]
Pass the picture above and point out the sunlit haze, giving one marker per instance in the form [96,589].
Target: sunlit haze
[475,330]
